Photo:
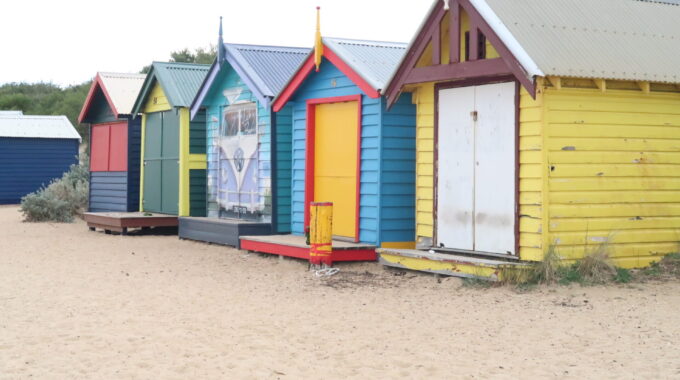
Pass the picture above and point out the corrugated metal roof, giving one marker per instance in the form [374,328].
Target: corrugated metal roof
[123,89]
[271,66]
[374,61]
[610,39]
[180,81]
[29,126]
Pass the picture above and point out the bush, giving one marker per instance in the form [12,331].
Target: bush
[61,200]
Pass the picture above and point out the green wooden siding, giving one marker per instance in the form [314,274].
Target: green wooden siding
[197,192]
[197,134]
[100,111]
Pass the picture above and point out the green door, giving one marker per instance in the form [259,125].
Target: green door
[161,163]
[170,164]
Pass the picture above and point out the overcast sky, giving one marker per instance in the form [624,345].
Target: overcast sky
[68,41]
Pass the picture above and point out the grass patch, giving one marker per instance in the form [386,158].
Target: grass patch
[623,276]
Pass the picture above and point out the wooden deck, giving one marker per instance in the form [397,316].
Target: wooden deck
[220,231]
[295,246]
[447,264]
[120,222]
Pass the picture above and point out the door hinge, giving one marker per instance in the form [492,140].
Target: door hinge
[474,115]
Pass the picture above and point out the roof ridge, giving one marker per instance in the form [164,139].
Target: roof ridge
[367,42]
[265,46]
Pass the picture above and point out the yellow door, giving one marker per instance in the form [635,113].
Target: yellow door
[335,163]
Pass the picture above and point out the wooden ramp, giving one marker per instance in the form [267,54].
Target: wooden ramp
[122,221]
[295,246]
[448,264]
[220,231]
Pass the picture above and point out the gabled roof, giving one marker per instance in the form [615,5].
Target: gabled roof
[180,82]
[608,39]
[374,61]
[368,63]
[635,40]
[29,126]
[264,69]
[119,89]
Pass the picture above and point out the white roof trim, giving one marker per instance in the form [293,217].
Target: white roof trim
[508,39]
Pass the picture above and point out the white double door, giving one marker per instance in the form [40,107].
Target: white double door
[476,168]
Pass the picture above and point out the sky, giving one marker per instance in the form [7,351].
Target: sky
[66,42]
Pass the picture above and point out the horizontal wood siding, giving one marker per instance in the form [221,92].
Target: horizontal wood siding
[423,98]
[134,162]
[156,100]
[26,164]
[331,82]
[531,176]
[108,191]
[197,134]
[197,192]
[284,165]
[614,173]
[398,172]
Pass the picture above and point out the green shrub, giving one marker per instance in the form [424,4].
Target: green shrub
[61,200]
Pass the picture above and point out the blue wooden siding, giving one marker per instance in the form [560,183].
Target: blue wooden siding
[26,164]
[398,171]
[215,102]
[108,191]
[134,157]
[283,146]
[387,182]
[330,82]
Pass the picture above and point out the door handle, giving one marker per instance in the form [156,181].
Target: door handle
[474,115]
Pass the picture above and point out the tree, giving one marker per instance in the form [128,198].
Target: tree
[199,55]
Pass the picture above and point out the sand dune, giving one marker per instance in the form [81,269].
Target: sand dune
[78,304]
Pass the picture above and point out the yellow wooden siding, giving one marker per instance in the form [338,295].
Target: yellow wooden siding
[531,179]
[426,58]
[156,100]
[613,172]
[423,98]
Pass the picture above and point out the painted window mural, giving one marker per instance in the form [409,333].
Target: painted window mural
[237,189]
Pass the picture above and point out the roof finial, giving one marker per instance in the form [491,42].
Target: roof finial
[318,43]
[220,45]
[446,5]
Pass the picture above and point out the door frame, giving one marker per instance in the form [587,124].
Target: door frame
[470,83]
[310,143]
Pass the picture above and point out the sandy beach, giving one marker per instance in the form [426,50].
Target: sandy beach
[80,304]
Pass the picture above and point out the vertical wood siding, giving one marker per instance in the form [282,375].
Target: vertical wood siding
[614,173]
[426,58]
[26,164]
